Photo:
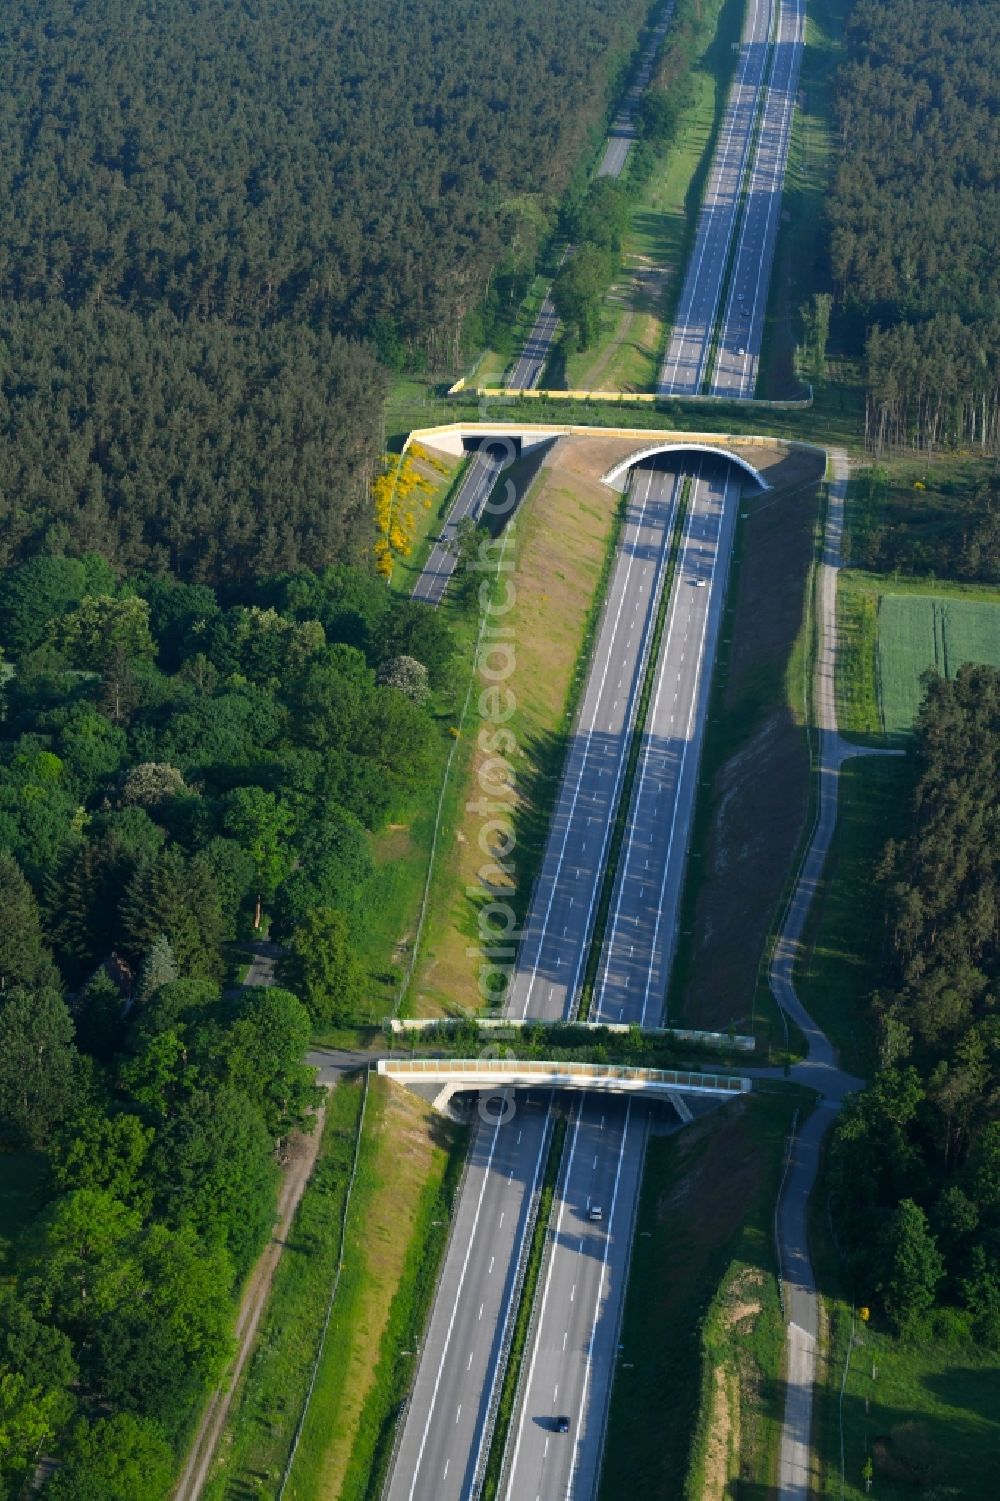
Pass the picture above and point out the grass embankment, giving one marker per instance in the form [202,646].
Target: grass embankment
[408,1166]
[892,630]
[522,1323]
[841,956]
[441,474]
[640,306]
[397,1227]
[258,1435]
[491,368]
[703,1298]
[561,540]
[754,777]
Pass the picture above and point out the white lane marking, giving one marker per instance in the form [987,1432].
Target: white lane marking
[619,770]
[469,1366]
[454,1312]
[459,1412]
[698,699]
[545,1294]
[693,291]
[491,1375]
[492,1260]
[588,1361]
[446,1464]
[481,1307]
[611,940]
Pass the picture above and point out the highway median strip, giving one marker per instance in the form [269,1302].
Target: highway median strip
[525,1311]
[739,217]
[632,761]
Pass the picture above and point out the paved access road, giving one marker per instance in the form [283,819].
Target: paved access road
[742,327]
[574,1342]
[686,360]
[623,132]
[475,490]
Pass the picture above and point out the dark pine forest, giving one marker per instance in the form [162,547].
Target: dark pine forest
[915,216]
[221,223]
[217,218]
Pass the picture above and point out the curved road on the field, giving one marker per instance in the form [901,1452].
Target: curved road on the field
[819,1070]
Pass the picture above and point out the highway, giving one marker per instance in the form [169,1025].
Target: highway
[686,359]
[445,1422]
[742,326]
[571,1359]
[528,367]
[479,1263]
[560,918]
[575,1337]
[475,490]
[446,1418]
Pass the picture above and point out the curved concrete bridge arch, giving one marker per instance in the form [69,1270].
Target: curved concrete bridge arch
[619,472]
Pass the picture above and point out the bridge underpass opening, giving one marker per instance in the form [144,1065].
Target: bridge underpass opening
[681,457]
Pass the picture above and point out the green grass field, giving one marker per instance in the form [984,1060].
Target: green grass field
[841,960]
[927,631]
[925,1412]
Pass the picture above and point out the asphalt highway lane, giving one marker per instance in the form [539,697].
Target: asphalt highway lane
[473,494]
[572,1357]
[574,1346]
[446,1420]
[687,354]
[738,354]
[527,372]
[639,944]
[446,1417]
[557,931]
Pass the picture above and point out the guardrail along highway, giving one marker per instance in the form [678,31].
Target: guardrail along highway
[686,360]
[448,1420]
[575,1335]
